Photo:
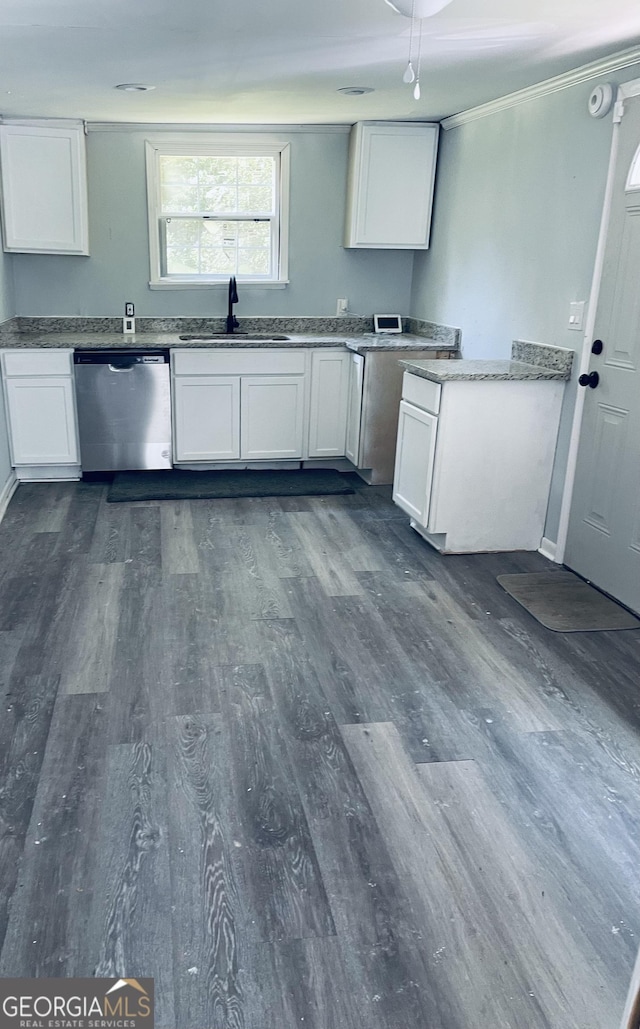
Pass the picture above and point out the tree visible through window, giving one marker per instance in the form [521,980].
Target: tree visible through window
[217,214]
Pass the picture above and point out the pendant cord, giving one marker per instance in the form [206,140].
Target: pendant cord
[419,49]
[413,22]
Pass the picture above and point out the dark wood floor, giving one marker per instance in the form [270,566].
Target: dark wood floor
[286,759]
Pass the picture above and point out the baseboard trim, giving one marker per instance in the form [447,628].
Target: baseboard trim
[7,492]
[548,549]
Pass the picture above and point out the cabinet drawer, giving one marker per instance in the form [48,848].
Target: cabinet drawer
[421,392]
[37,362]
[234,362]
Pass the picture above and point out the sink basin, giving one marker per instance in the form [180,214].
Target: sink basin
[233,335]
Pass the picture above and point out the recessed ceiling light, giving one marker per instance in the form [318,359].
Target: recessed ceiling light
[355,90]
[134,87]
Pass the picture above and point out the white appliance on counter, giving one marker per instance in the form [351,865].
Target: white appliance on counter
[474,461]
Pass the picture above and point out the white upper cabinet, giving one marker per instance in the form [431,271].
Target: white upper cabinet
[44,188]
[390,187]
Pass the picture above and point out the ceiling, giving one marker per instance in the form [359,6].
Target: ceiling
[281,61]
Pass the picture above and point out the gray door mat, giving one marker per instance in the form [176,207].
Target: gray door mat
[178,484]
[564,602]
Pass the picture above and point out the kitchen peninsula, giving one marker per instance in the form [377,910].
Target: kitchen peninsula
[475,448]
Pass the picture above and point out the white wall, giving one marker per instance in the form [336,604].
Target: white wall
[118,268]
[516,219]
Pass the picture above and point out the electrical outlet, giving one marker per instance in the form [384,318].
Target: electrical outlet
[129,310]
[342,306]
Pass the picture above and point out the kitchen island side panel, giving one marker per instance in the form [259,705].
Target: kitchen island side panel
[494,456]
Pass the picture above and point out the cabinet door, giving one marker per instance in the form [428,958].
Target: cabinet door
[390,189]
[415,456]
[329,402]
[206,413]
[354,409]
[44,187]
[272,417]
[42,420]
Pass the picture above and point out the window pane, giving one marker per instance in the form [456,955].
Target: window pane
[179,169]
[254,234]
[219,185]
[219,200]
[217,262]
[255,199]
[253,262]
[183,232]
[217,248]
[180,198]
[256,170]
[182,261]
[218,170]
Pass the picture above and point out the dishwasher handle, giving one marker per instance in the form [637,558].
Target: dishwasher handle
[122,365]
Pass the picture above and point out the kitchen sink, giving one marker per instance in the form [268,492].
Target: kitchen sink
[232,335]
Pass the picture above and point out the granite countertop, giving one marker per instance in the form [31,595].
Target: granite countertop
[528,361]
[457,371]
[360,343]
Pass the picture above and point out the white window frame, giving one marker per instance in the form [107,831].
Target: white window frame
[218,145]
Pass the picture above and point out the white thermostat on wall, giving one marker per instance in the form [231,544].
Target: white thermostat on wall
[387,323]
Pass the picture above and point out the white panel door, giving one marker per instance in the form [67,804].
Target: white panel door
[206,411]
[415,458]
[44,186]
[354,408]
[42,420]
[272,420]
[603,542]
[329,402]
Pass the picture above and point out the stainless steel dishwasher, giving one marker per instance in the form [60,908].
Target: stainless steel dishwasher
[124,409]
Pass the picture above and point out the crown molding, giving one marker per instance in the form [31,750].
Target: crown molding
[181,127]
[594,70]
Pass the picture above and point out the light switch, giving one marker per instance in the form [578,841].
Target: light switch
[576,314]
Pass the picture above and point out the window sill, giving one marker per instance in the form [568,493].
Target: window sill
[243,285]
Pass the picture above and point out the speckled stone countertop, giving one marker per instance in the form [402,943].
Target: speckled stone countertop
[528,361]
[90,340]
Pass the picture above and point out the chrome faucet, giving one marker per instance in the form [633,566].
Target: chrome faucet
[232,321]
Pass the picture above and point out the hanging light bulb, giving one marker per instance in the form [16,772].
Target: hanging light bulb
[416,90]
[409,74]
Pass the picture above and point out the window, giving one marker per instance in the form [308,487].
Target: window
[217,209]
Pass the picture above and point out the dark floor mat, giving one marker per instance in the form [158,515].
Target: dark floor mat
[177,484]
[566,603]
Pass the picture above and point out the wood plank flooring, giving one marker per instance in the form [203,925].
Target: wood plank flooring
[286,759]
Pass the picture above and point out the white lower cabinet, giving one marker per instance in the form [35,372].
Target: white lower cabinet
[272,417]
[330,370]
[474,461]
[206,412]
[415,455]
[41,413]
[253,404]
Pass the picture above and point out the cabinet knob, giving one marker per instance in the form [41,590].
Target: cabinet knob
[590,379]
